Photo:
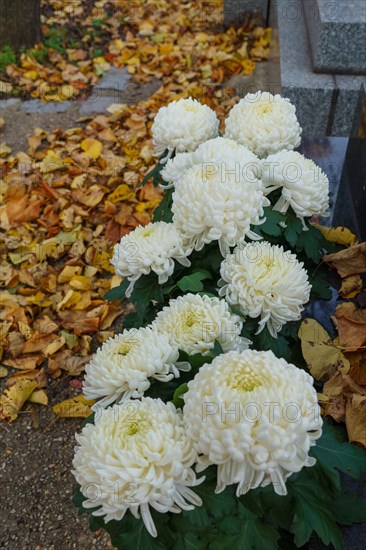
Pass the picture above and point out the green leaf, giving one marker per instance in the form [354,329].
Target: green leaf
[319,286]
[280,346]
[118,292]
[271,225]
[217,349]
[177,397]
[193,282]
[293,228]
[312,243]
[312,510]
[333,451]
[163,212]
[146,290]
[348,509]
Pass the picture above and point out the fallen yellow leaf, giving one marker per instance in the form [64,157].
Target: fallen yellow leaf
[14,398]
[76,407]
[339,235]
[321,355]
[92,148]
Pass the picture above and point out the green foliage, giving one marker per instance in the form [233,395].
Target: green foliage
[316,501]
[7,57]
[55,38]
[193,282]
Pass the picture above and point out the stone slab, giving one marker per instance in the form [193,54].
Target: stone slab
[234,10]
[5,103]
[348,96]
[312,94]
[38,106]
[337,33]
[115,79]
[97,104]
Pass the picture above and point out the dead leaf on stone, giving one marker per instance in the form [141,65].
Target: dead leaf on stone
[39,397]
[74,365]
[322,356]
[24,363]
[350,261]
[38,342]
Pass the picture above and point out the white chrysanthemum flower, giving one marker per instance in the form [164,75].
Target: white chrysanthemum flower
[213,155]
[265,281]
[304,185]
[218,205]
[255,416]
[264,123]
[123,366]
[153,247]
[194,322]
[136,456]
[182,125]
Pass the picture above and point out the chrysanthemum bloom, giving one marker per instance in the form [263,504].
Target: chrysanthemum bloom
[182,125]
[265,281]
[194,322]
[255,416]
[153,247]
[123,366]
[136,456]
[218,205]
[214,155]
[264,123]
[304,185]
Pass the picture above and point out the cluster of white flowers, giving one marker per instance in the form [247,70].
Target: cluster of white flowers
[215,156]
[304,185]
[265,281]
[253,415]
[137,456]
[249,413]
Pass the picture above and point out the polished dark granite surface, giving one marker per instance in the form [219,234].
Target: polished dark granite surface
[344,162]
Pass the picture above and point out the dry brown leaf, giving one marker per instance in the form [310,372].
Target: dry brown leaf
[351,325]
[25,363]
[74,365]
[356,419]
[350,261]
[351,286]
[38,342]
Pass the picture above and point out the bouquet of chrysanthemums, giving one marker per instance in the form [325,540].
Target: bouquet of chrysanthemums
[206,430]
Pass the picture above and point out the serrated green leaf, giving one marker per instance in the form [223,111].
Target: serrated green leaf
[293,228]
[312,512]
[280,346]
[333,451]
[118,292]
[193,282]
[271,225]
[348,509]
[312,242]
